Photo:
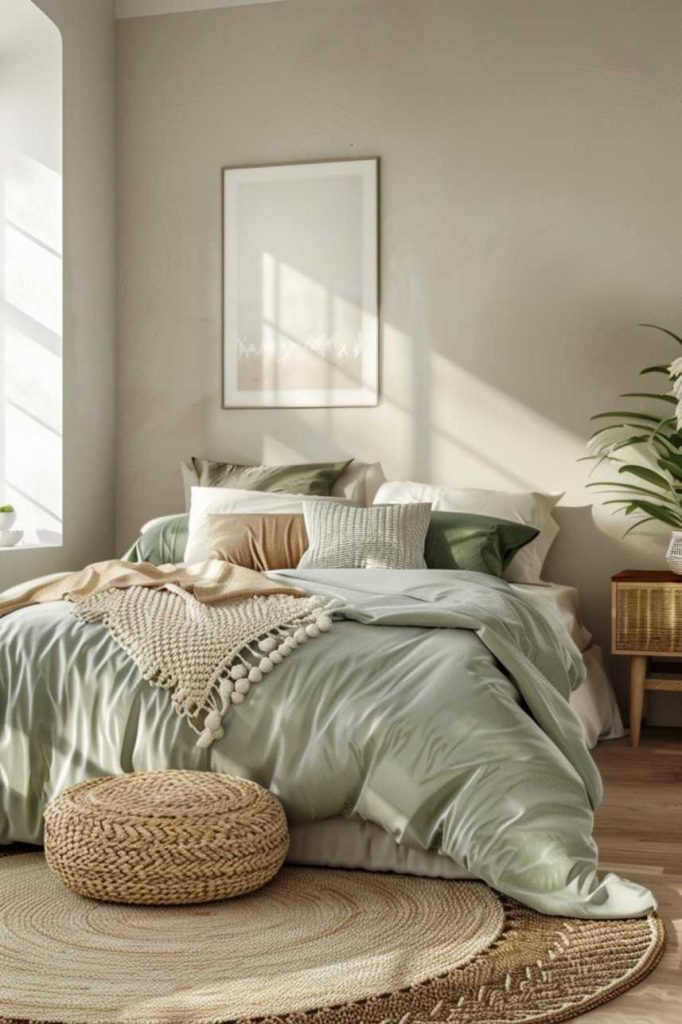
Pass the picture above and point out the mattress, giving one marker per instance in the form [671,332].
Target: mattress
[345,843]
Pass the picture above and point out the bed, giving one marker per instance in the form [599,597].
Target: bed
[440,727]
[436,709]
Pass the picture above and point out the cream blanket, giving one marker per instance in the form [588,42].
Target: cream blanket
[205,633]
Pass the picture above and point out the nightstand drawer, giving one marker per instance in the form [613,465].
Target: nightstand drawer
[647,618]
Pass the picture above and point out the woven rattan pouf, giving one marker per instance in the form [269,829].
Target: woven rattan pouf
[165,837]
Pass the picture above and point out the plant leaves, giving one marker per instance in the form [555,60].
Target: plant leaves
[651,431]
[654,369]
[676,459]
[657,441]
[665,515]
[640,522]
[647,417]
[613,487]
[649,475]
[649,394]
[665,331]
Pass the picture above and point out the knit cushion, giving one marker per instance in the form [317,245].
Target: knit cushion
[378,537]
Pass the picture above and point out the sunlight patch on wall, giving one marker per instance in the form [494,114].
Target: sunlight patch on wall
[438,423]
[31,273]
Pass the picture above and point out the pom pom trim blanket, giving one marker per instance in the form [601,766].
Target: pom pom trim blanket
[205,634]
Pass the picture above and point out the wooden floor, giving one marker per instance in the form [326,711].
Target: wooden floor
[639,831]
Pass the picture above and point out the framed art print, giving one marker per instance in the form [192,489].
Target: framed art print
[300,285]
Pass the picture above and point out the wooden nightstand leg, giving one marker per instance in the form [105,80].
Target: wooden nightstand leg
[638,667]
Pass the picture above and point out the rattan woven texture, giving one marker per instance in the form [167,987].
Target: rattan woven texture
[648,618]
[313,947]
[165,837]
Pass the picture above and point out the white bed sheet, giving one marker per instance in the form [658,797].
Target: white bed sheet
[342,843]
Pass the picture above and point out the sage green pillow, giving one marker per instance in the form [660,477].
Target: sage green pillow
[460,540]
[315,478]
[162,541]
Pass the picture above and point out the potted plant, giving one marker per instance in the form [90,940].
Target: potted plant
[7,517]
[643,452]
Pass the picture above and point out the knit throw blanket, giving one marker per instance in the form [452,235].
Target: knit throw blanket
[207,657]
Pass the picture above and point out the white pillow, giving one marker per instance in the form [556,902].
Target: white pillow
[231,500]
[530,508]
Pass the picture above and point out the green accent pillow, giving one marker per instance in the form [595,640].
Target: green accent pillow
[163,541]
[460,540]
[309,478]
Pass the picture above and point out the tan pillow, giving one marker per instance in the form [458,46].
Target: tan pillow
[259,542]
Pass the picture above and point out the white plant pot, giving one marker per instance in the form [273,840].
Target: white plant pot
[673,555]
[7,520]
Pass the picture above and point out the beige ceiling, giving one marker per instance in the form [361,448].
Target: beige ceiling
[142,8]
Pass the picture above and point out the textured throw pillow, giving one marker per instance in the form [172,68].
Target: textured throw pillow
[530,508]
[460,540]
[378,537]
[260,542]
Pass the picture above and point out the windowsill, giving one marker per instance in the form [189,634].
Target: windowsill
[29,546]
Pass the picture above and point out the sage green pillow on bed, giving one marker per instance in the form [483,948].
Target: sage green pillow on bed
[460,540]
[316,478]
[162,541]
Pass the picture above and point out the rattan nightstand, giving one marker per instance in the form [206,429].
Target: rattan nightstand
[646,623]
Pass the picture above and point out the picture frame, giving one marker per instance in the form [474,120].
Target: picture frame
[301,285]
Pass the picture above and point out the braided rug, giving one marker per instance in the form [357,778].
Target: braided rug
[312,947]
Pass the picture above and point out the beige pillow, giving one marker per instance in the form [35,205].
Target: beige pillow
[260,542]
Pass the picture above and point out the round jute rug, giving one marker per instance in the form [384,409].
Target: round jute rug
[314,946]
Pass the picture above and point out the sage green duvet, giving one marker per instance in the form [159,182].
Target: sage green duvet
[436,707]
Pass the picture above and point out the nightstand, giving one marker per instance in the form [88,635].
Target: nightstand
[646,623]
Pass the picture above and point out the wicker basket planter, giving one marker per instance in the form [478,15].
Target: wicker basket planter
[165,837]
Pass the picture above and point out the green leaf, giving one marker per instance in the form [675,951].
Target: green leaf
[620,426]
[613,487]
[649,394]
[647,475]
[654,369]
[640,522]
[675,460]
[663,514]
[673,464]
[665,331]
[657,442]
[645,416]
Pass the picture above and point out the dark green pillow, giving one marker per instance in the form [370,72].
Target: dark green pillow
[460,540]
[316,478]
[162,543]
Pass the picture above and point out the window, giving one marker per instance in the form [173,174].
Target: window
[31,271]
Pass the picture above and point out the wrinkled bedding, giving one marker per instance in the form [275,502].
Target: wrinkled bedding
[437,708]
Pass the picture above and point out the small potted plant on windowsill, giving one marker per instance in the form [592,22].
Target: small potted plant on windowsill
[7,517]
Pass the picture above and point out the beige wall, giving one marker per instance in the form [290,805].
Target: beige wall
[531,211]
[89,292]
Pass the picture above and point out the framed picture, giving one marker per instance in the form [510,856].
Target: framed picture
[300,285]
